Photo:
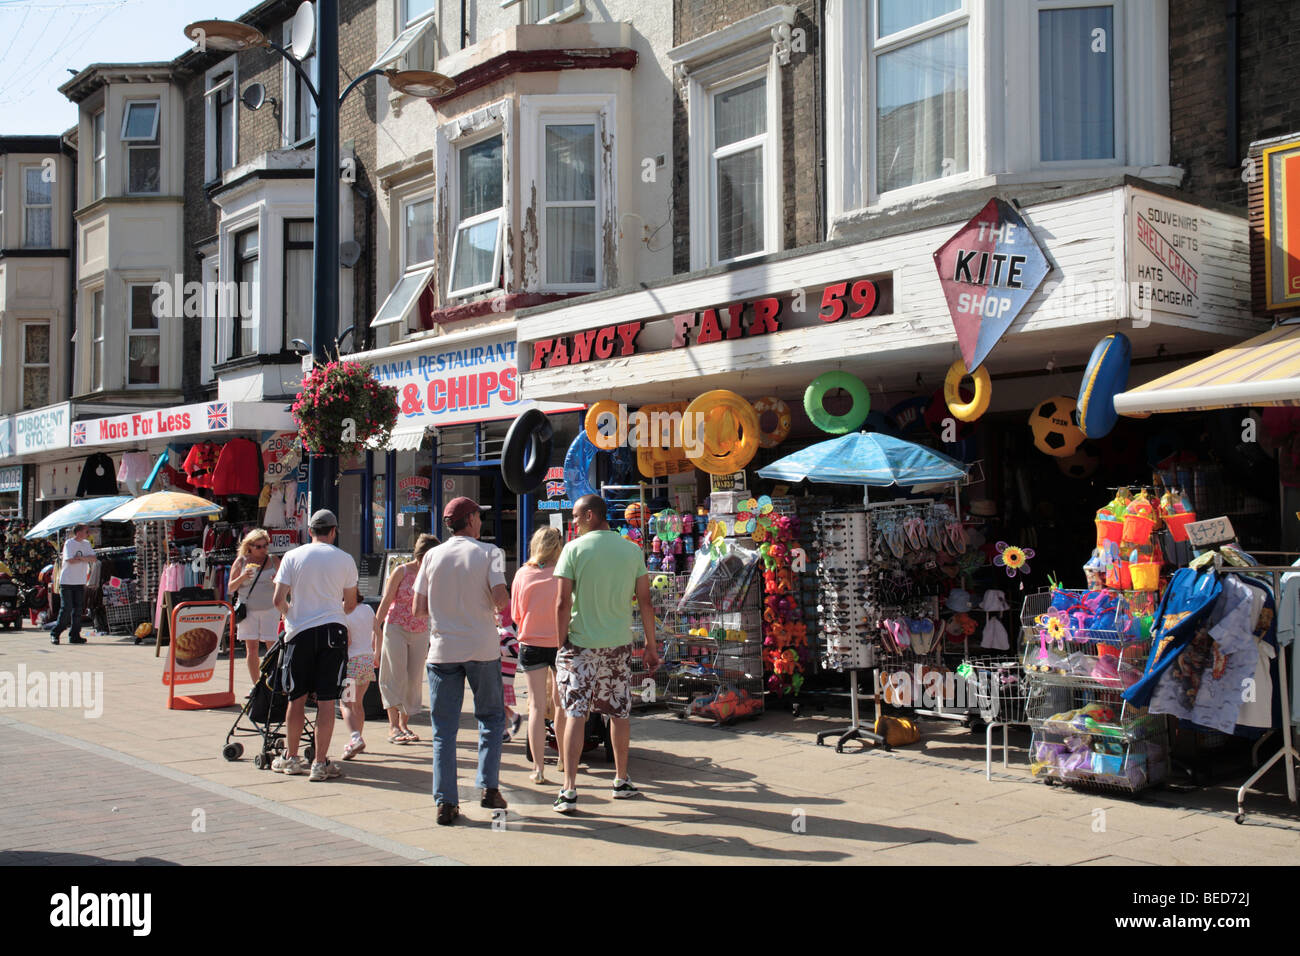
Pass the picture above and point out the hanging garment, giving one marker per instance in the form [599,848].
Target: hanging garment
[1204,683]
[281,507]
[238,470]
[1258,712]
[135,466]
[172,579]
[1186,603]
[97,477]
[200,462]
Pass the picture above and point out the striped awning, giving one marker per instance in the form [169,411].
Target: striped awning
[405,437]
[1263,371]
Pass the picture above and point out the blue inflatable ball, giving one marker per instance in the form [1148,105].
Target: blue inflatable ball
[1104,378]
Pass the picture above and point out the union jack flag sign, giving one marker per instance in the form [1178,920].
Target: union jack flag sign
[218,416]
[555,489]
[79,433]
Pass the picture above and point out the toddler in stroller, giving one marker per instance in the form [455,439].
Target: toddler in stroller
[263,715]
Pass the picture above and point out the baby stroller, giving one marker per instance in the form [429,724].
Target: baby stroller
[263,716]
[597,735]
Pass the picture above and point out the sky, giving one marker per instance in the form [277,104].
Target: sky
[41,40]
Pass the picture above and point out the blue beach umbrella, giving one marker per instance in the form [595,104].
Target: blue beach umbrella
[866,458]
[82,511]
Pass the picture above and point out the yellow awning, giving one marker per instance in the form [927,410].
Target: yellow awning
[1261,371]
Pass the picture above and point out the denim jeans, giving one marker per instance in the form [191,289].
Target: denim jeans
[446,694]
[72,600]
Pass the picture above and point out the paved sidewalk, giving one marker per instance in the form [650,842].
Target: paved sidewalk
[762,792]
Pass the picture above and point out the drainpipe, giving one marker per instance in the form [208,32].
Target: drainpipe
[1232,16]
[819,110]
[69,357]
[463,32]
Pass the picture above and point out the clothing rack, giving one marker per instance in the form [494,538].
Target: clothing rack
[1287,752]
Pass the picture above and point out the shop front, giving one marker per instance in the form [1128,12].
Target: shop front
[1025,289]
[457,395]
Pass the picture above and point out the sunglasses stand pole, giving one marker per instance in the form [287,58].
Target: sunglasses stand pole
[855,730]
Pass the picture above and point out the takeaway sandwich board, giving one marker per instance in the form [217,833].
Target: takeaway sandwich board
[196,631]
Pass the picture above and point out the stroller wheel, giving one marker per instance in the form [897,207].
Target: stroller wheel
[261,761]
[528,749]
[310,754]
[232,751]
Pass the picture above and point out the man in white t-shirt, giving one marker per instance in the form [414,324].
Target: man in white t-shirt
[315,590]
[460,586]
[78,556]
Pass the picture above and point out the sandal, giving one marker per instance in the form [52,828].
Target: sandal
[409,736]
[397,737]
[538,776]
[354,747]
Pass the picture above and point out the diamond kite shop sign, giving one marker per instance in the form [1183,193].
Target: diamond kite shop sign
[988,271]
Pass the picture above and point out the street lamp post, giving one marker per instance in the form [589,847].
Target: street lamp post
[229,36]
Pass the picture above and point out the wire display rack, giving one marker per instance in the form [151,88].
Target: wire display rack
[1084,733]
[1000,691]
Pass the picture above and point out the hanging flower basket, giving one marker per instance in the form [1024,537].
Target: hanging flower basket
[341,407]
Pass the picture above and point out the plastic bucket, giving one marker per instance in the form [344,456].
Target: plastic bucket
[1138,528]
[1145,577]
[1118,577]
[1177,524]
[1109,531]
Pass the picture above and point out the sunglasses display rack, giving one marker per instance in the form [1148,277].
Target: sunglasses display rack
[1084,733]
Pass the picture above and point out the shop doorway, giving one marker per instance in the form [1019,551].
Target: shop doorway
[502,525]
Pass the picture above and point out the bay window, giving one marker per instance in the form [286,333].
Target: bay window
[1076,83]
[36,364]
[480,200]
[38,207]
[921,91]
[244,307]
[569,204]
[140,133]
[99,161]
[97,340]
[299,238]
[143,344]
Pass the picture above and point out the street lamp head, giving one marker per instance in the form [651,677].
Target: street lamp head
[224,36]
[424,83]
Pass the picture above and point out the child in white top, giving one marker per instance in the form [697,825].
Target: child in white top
[361,671]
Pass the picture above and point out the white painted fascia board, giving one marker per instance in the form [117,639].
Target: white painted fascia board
[426,343]
[741,33]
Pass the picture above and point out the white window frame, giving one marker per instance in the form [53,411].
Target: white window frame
[570,11]
[214,84]
[134,143]
[129,332]
[99,155]
[536,113]
[768,143]
[420,282]
[947,23]
[211,275]
[290,81]
[1116,41]
[96,341]
[414,199]
[755,46]
[3,242]
[1004,84]
[49,207]
[491,120]
[48,364]
[410,33]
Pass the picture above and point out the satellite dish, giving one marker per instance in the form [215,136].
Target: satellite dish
[254,96]
[349,253]
[303,31]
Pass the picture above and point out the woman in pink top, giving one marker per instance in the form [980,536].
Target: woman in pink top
[532,605]
[403,645]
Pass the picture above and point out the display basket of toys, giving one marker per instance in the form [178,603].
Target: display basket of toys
[1083,634]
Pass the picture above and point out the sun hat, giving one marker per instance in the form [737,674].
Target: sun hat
[958,600]
[994,601]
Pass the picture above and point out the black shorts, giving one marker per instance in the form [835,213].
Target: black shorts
[315,661]
[535,658]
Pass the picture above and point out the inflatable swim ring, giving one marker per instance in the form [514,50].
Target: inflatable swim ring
[967,411]
[781,410]
[606,441]
[730,432]
[814,395]
[526,454]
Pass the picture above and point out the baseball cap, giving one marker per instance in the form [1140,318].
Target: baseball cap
[461,507]
[323,520]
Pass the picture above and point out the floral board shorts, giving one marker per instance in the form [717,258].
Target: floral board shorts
[595,679]
[361,669]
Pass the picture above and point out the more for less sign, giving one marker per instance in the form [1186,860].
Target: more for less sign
[853,299]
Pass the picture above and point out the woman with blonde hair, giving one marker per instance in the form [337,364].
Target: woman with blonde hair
[532,605]
[403,642]
[252,581]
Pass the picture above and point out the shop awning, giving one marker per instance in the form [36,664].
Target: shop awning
[1264,371]
[405,437]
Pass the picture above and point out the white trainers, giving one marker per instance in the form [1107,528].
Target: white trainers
[294,766]
[623,789]
[324,771]
[566,802]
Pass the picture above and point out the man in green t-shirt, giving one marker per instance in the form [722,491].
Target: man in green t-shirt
[599,572]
